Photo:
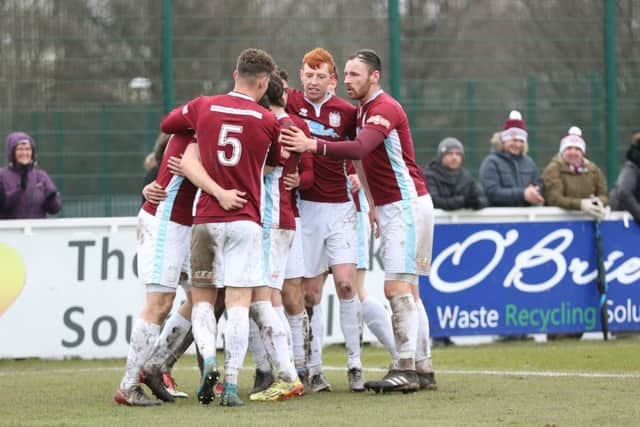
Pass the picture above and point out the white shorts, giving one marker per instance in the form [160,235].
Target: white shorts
[329,235]
[276,246]
[227,254]
[364,239]
[406,231]
[163,250]
[295,260]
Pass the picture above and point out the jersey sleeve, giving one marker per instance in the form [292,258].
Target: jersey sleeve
[273,155]
[305,170]
[182,119]
[383,118]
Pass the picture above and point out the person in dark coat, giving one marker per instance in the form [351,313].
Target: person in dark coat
[625,196]
[451,186]
[26,192]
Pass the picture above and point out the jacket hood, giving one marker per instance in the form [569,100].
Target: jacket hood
[12,140]
[497,147]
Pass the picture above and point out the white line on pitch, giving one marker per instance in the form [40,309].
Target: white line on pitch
[15,372]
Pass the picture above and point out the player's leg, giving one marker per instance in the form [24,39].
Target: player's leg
[241,271]
[424,247]
[374,314]
[315,228]
[313,302]
[205,254]
[143,337]
[400,244]
[343,256]
[175,337]
[274,337]
[155,267]
[293,302]
[376,317]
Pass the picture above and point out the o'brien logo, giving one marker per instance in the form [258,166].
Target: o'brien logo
[543,252]
[12,277]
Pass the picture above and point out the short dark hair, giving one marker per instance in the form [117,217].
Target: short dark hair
[275,90]
[253,63]
[282,73]
[370,58]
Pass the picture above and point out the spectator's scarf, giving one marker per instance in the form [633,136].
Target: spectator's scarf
[577,169]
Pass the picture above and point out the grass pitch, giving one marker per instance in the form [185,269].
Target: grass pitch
[523,383]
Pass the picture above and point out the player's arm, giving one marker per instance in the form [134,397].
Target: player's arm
[196,173]
[367,140]
[181,119]
[305,170]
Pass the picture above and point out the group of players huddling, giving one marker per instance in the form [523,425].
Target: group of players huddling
[264,191]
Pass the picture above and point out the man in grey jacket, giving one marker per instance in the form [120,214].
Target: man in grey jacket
[451,186]
[508,176]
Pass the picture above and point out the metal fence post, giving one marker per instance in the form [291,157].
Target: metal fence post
[394,49]
[611,90]
[531,116]
[472,131]
[168,100]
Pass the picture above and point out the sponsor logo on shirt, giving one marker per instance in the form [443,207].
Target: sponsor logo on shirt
[379,120]
[334,119]
[318,129]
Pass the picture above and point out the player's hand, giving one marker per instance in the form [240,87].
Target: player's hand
[175,165]
[154,193]
[373,220]
[355,183]
[284,154]
[294,139]
[291,181]
[231,199]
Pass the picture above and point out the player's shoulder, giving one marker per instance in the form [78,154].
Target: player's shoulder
[387,107]
[342,104]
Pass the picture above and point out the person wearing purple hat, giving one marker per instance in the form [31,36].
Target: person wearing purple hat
[25,191]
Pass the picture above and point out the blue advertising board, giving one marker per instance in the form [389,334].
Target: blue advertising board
[531,277]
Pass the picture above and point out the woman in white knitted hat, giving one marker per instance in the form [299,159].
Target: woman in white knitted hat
[573,182]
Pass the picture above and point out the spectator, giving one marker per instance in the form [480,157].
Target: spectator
[573,182]
[508,176]
[625,196]
[450,185]
[25,190]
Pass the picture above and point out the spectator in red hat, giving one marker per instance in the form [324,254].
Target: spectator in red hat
[573,182]
[508,175]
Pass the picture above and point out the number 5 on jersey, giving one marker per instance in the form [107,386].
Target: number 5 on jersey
[225,139]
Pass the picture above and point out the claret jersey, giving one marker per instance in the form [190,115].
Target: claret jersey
[235,136]
[331,120]
[177,207]
[391,169]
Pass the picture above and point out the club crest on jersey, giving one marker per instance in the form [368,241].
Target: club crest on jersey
[334,119]
[379,120]
[303,112]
